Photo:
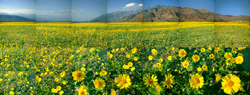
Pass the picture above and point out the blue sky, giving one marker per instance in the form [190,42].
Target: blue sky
[232,7]
[53,10]
[124,5]
[198,4]
[85,10]
[148,3]
[25,8]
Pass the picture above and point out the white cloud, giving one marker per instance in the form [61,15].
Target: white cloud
[18,11]
[133,5]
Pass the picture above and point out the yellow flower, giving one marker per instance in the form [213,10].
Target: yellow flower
[158,64]
[128,56]
[160,60]
[196,81]
[160,68]
[56,79]
[158,89]
[135,58]
[174,57]
[99,83]
[150,80]
[231,84]
[61,92]
[110,56]
[58,88]
[122,49]
[239,59]
[103,73]
[182,53]
[64,82]
[211,56]
[130,64]
[83,90]
[216,49]
[227,55]
[54,90]
[134,50]
[63,74]
[240,54]
[132,69]
[241,48]
[199,69]
[20,73]
[203,49]
[169,80]
[113,92]
[196,58]
[234,50]
[154,51]
[218,77]
[125,66]
[78,75]
[185,63]
[169,58]
[123,81]
[229,61]
[12,93]
[150,57]
[204,67]
[91,50]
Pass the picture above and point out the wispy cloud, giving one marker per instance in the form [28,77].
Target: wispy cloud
[18,11]
[133,5]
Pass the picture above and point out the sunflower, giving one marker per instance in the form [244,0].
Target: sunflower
[130,64]
[169,80]
[103,73]
[158,89]
[196,58]
[227,55]
[150,57]
[203,49]
[199,69]
[211,56]
[150,80]
[134,50]
[230,84]
[83,90]
[216,49]
[240,54]
[196,81]
[154,51]
[218,77]
[78,75]
[182,53]
[99,83]
[128,56]
[158,64]
[239,59]
[113,92]
[169,58]
[185,63]
[234,50]
[229,61]
[160,60]
[123,81]
[204,67]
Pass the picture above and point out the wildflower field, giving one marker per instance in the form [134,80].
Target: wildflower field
[151,58]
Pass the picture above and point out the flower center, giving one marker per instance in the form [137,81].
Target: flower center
[239,59]
[79,74]
[196,81]
[228,56]
[230,83]
[82,92]
[168,81]
[195,58]
[185,64]
[150,81]
[182,53]
[124,81]
[99,83]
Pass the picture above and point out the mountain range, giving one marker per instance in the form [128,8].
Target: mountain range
[14,18]
[164,13]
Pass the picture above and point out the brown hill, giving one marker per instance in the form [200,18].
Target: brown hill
[174,14]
